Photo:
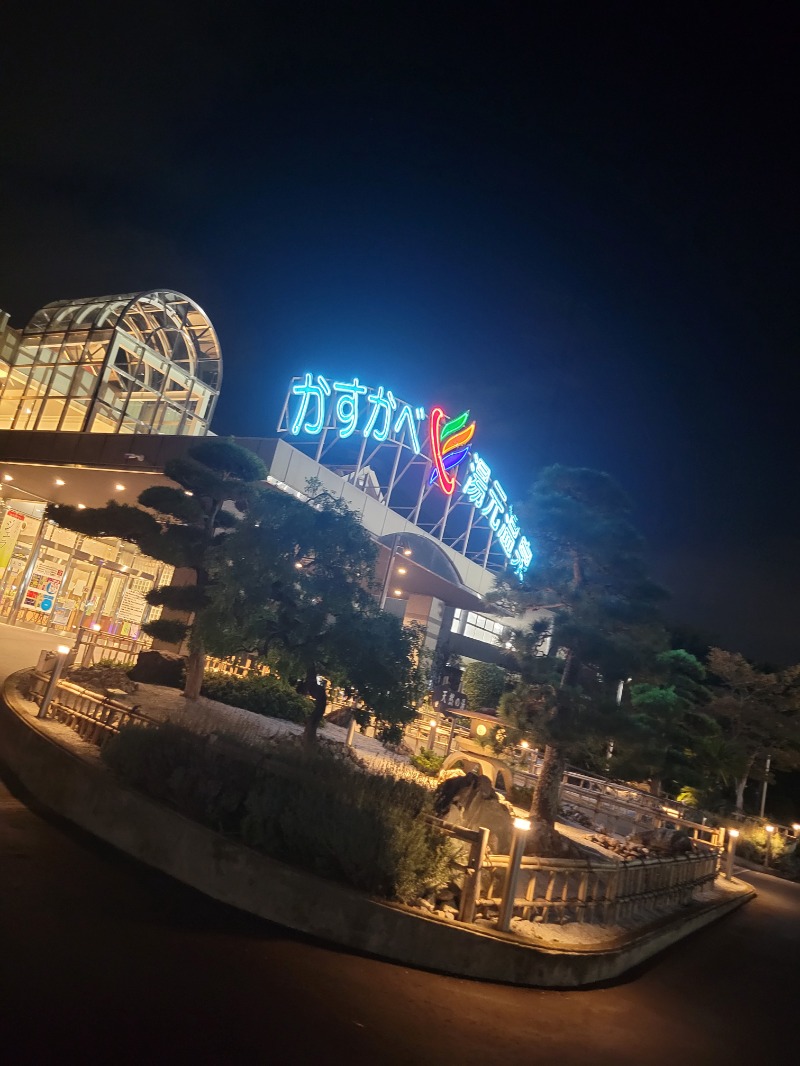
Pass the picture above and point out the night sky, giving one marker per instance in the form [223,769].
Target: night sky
[579,220]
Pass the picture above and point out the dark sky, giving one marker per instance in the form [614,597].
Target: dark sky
[579,220]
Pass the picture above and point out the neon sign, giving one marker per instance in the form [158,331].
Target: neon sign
[449,445]
[489,497]
[350,408]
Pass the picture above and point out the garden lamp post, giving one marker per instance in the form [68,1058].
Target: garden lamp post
[521,829]
[431,734]
[733,836]
[62,651]
[769,829]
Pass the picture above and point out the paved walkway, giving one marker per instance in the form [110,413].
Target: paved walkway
[19,648]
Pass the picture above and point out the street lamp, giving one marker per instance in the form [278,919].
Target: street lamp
[62,651]
[733,836]
[521,829]
[769,829]
[764,787]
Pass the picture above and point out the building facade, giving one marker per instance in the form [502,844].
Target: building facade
[97,394]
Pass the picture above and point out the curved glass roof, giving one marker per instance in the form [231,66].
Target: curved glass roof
[162,319]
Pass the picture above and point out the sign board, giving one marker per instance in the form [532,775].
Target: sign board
[42,590]
[448,700]
[10,528]
[133,604]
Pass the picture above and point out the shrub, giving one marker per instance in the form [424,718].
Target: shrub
[521,796]
[204,778]
[427,762]
[752,845]
[483,685]
[317,810]
[268,695]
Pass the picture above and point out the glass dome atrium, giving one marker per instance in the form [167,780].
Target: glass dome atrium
[146,362]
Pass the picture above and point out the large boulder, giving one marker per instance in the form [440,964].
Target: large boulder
[159,668]
[471,802]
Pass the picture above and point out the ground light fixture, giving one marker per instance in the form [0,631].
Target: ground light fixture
[522,827]
[769,830]
[62,651]
[733,836]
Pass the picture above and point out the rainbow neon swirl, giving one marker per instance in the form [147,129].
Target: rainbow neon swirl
[450,443]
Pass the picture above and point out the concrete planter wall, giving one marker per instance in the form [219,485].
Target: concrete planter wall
[77,785]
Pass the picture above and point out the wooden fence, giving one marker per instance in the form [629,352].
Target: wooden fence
[622,810]
[584,891]
[92,648]
[604,892]
[237,667]
[93,717]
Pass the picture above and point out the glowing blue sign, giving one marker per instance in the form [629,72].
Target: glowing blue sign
[379,422]
[379,416]
[489,497]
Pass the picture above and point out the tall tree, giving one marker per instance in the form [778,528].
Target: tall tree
[294,584]
[181,526]
[590,575]
[759,714]
[665,737]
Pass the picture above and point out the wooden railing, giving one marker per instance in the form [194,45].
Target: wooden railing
[93,717]
[622,810]
[609,893]
[605,892]
[92,648]
[236,666]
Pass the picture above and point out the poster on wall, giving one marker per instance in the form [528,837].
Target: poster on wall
[133,604]
[42,590]
[62,611]
[10,529]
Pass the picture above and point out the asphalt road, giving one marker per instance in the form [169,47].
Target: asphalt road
[105,961]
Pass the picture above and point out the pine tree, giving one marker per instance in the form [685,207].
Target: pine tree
[294,585]
[589,574]
[181,526]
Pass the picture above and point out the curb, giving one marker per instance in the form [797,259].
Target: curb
[81,789]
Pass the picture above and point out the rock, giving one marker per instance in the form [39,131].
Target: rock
[159,668]
[661,842]
[471,802]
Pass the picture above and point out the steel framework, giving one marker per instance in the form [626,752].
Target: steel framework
[398,476]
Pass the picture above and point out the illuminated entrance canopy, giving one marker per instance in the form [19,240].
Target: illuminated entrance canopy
[327,410]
